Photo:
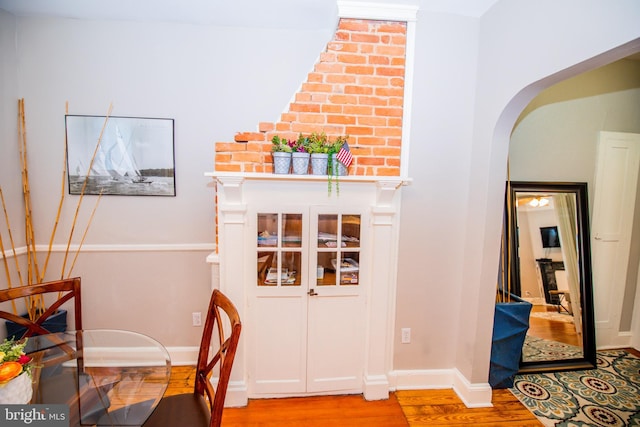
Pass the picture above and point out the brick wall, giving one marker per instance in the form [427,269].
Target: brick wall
[356,89]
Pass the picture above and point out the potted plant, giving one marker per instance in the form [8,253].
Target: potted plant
[281,149]
[319,150]
[300,156]
[15,373]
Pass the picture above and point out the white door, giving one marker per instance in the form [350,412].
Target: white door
[613,210]
[335,360]
[277,302]
[306,308]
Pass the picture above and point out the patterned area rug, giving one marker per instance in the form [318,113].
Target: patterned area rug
[606,396]
[537,349]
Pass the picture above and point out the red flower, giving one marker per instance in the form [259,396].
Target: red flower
[24,359]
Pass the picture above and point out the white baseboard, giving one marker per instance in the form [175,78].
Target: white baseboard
[422,379]
[472,395]
[237,395]
[183,356]
[606,339]
[376,387]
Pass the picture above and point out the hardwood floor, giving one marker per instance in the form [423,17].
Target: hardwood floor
[553,330]
[351,410]
[403,408]
[444,408]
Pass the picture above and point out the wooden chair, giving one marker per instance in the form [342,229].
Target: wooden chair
[67,289]
[204,406]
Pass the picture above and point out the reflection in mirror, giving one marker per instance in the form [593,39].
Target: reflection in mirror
[551,269]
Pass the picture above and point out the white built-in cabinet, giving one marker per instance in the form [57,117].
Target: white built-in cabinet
[313,275]
[307,303]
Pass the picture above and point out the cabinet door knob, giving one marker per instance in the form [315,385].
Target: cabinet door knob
[312,292]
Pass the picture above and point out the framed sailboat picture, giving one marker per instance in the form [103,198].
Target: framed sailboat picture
[127,156]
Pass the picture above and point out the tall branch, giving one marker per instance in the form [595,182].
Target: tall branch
[84,186]
[84,235]
[4,257]
[13,245]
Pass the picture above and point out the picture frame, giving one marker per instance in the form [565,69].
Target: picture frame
[124,156]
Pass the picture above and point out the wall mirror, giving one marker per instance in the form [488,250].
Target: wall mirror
[550,266]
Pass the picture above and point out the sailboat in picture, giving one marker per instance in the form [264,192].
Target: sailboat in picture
[124,163]
[115,161]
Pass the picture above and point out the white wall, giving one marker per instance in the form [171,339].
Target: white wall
[556,137]
[434,205]
[214,81]
[524,47]
[9,157]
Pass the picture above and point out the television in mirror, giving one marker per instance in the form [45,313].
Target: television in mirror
[550,237]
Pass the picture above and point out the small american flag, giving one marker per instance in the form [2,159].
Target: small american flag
[344,155]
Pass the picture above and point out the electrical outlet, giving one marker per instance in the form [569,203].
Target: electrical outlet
[196,318]
[406,335]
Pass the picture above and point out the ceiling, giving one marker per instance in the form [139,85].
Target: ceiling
[238,13]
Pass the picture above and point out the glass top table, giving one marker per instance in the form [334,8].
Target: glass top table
[105,377]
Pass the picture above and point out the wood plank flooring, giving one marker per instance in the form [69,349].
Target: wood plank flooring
[444,408]
[553,330]
[403,408]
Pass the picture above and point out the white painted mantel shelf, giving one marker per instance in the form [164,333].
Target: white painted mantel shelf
[385,184]
[294,177]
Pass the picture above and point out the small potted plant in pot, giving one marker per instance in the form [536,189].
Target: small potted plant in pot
[15,373]
[319,149]
[281,149]
[300,156]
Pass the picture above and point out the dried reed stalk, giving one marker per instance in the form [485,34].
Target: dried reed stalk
[34,303]
[84,187]
[26,192]
[13,246]
[84,234]
[4,258]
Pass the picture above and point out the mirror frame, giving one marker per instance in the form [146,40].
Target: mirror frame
[583,246]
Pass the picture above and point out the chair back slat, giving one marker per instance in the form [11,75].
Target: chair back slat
[70,288]
[220,307]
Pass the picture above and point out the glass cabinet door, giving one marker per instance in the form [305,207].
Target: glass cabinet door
[338,250]
[279,249]
[281,256]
